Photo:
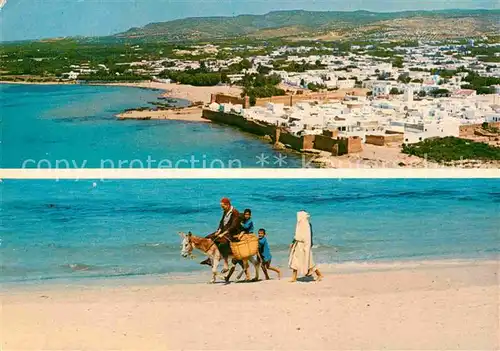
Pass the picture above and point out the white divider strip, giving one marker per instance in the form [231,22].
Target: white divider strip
[246,173]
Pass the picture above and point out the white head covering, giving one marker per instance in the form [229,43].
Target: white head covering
[301,254]
[303,229]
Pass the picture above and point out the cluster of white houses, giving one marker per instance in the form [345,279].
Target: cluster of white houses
[361,116]
[381,113]
[336,70]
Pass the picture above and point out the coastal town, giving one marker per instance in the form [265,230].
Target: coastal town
[416,100]
[428,91]
[250,175]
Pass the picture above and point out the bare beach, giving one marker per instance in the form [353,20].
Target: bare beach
[383,157]
[446,305]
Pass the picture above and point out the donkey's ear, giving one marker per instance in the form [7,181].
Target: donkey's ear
[181,234]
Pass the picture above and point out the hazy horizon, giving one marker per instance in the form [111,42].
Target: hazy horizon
[33,19]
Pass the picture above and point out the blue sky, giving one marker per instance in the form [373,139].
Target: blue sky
[34,19]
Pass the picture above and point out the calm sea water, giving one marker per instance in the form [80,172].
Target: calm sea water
[75,229]
[49,126]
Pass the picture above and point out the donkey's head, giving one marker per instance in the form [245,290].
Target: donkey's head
[187,245]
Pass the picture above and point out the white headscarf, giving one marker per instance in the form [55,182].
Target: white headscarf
[303,228]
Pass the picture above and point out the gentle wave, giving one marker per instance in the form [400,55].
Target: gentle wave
[80,271]
[84,209]
[353,197]
[80,267]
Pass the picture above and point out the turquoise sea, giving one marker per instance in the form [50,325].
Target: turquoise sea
[69,126]
[53,230]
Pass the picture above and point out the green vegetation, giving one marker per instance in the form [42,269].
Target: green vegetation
[213,28]
[404,78]
[439,92]
[282,65]
[259,86]
[481,84]
[238,67]
[193,77]
[489,128]
[486,54]
[381,53]
[316,87]
[444,73]
[53,58]
[452,149]
[107,77]
[398,62]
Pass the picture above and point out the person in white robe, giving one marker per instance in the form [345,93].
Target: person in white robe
[301,257]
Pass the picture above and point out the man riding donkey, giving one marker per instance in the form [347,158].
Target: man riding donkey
[228,230]
[218,244]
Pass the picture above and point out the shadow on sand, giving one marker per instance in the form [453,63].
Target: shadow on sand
[306,279]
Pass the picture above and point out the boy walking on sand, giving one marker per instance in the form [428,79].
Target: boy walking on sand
[265,253]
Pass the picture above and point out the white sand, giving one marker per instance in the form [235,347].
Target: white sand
[431,306]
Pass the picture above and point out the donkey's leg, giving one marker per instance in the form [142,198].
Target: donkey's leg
[242,270]
[247,270]
[228,276]
[215,264]
[256,265]
[226,265]
[225,252]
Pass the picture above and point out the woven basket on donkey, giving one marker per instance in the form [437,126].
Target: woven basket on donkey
[246,247]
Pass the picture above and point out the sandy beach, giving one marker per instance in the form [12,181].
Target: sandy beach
[383,157]
[446,305]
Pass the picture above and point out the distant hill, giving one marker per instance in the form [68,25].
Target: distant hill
[310,23]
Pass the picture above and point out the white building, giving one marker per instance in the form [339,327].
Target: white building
[346,84]
[72,75]
[444,128]
[381,88]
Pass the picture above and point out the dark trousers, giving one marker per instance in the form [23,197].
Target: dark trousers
[222,244]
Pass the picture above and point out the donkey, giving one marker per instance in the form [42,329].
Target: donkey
[209,248]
